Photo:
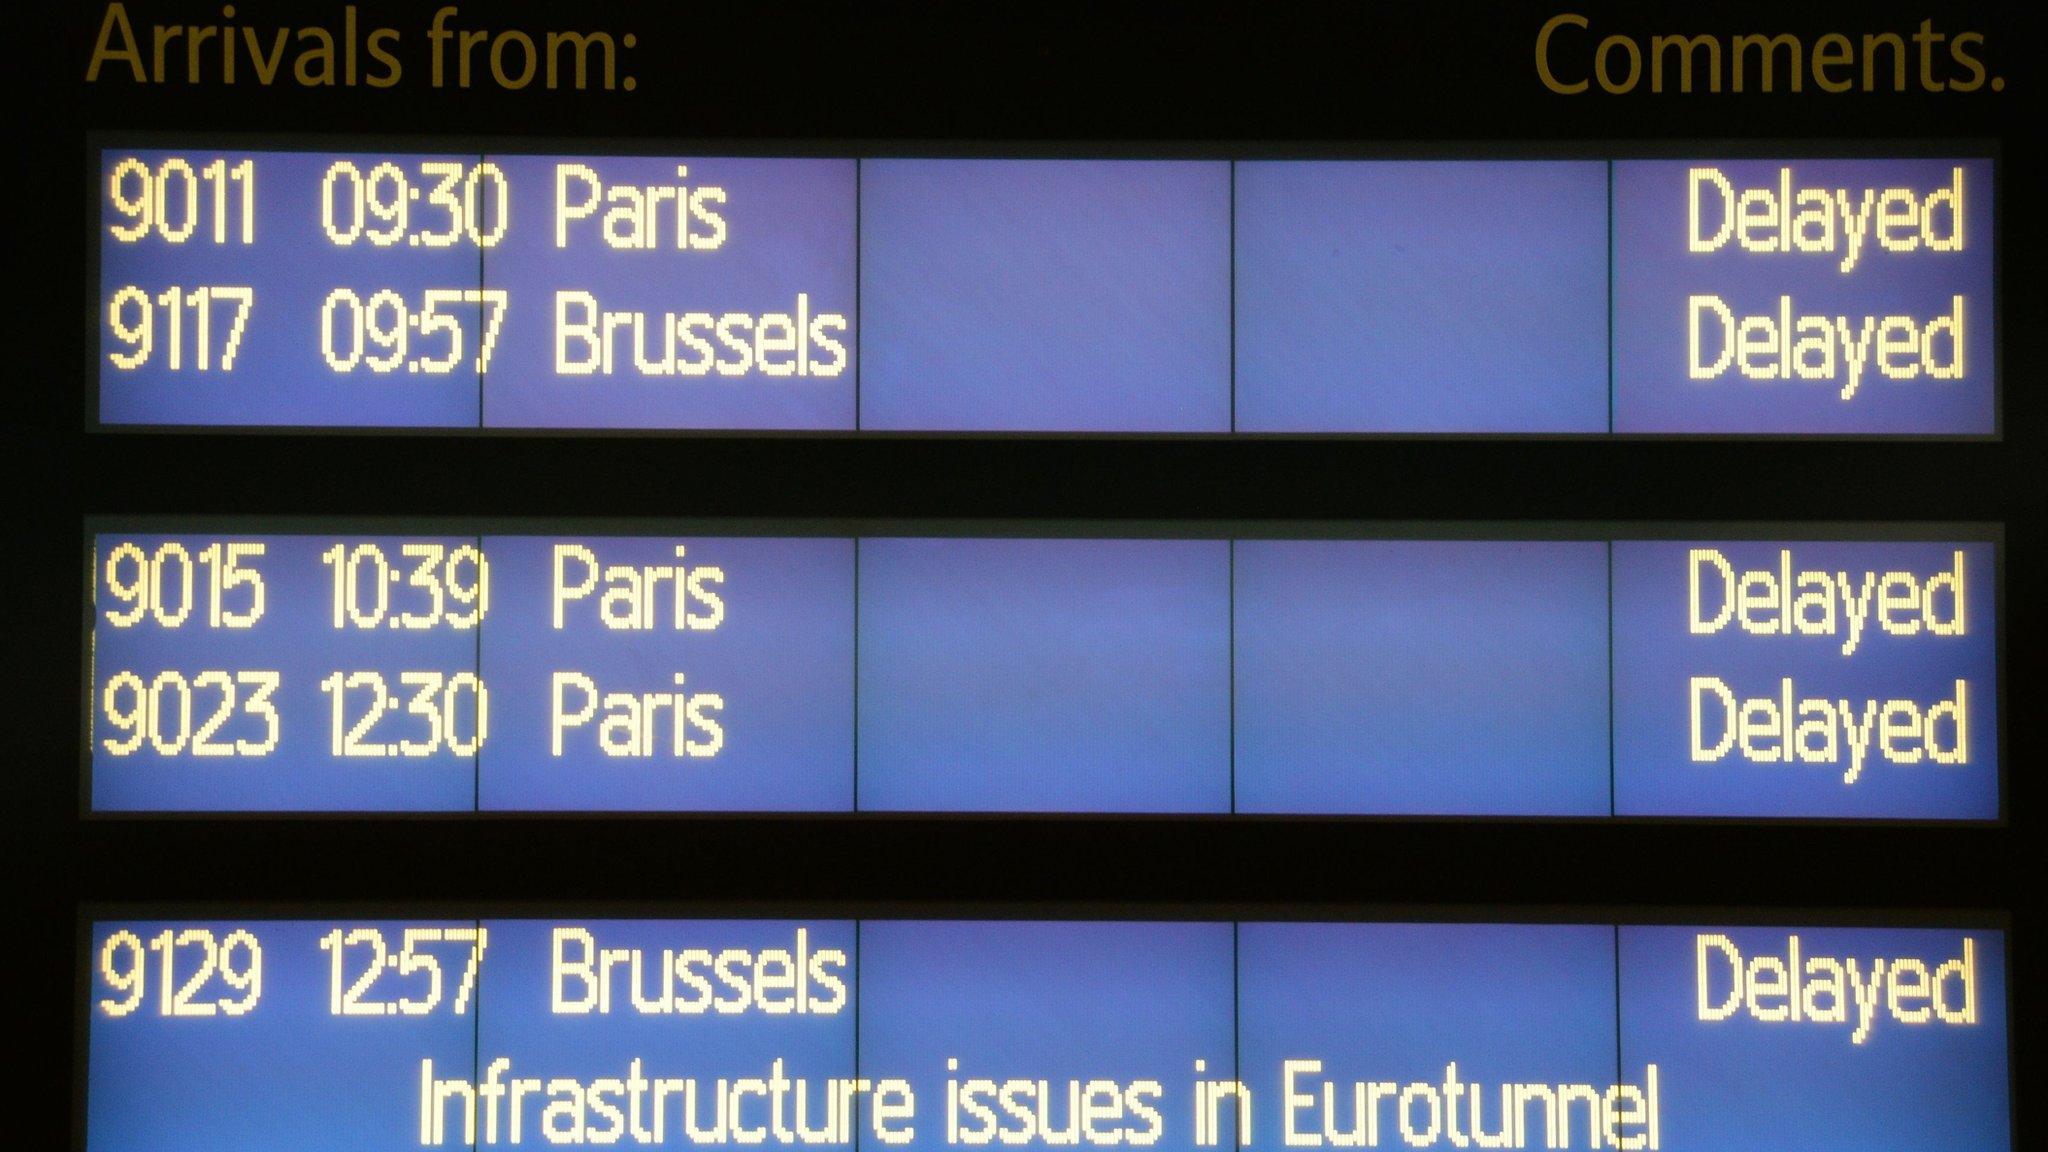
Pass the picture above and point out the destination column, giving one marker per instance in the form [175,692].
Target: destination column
[661,1034]
[670,674]
[675,293]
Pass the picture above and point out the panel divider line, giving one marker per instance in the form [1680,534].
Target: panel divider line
[859,317]
[1236,1027]
[860,982]
[1618,1075]
[1610,679]
[476,1011]
[1610,296]
[482,285]
[1230,684]
[476,760]
[1233,296]
[856,675]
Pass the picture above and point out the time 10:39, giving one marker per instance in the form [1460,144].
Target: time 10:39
[443,585]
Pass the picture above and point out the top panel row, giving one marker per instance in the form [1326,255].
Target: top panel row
[1200,297]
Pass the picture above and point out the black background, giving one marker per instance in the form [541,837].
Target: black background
[998,77]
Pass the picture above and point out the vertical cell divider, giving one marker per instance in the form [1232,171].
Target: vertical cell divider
[860,320]
[482,285]
[1233,384]
[1236,1022]
[859,986]
[1230,675]
[1620,1077]
[476,1015]
[854,799]
[1611,808]
[1610,301]
[476,660]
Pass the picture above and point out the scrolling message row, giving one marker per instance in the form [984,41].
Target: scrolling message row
[920,1035]
[344,671]
[1818,296]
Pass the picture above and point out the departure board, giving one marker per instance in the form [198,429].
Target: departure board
[1576,672]
[1304,576]
[465,289]
[370,1034]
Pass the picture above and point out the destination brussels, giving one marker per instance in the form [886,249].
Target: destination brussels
[1803,339]
[593,337]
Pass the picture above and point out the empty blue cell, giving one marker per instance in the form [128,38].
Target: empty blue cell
[1053,296]
[1044,675]
[1422,677]
[1404,296]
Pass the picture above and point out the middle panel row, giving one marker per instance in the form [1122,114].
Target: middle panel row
[1549,677]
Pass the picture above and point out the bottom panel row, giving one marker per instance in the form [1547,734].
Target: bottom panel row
[365,1034]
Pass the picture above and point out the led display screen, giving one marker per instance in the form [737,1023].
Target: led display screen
[1584,673]
[486,290]
[371,1034]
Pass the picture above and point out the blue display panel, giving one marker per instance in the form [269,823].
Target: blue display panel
[1805,678]
[1404,296]
[1804,296]
[1422,676]
[1190,297]
[374,1034]
[1045,675]
[1069,296]
[513,671]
